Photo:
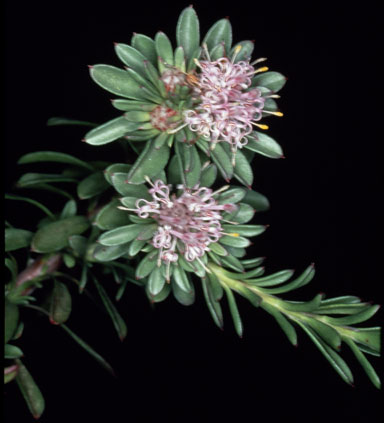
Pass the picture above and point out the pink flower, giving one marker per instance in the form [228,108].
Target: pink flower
[187,223]
[228,106]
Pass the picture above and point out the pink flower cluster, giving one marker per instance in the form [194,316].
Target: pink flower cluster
[187,224]
[228,107]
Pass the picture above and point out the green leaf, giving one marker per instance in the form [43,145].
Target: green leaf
[234,241]
[243,214]
[11,352]
[218,249]
[92,185]
[333,358]
[362,316]
[17,238]
[326,332]
[253,262]
[369,370]
[10,373]
[130,57]
[285,325]
[30,391]
[117,81]
[121,235]
[89,349]
[116,168]
[219,157]
[245,230]
[308,306]
[264,145]
[246,50]
[110,217]
[217,52]
[60,303]
[234,311]
[147,265]
[273,279]
[117,320]
[79,244]
[156,281]
[136,246]
[110,131]
[216,287]
[146,46]
[54,236]
[274,81]
[208,175]
[231,196]
[164,48]
[370,337]
[129,105]
[53,156]
[11,264]
[220,32]
[188,32]
[235,252]
[103,253]
[213,305]
[69,209]
[242,170]
[161,296]
[151,161]
[180,278]
[183,297]
[258,201]
[11,320]
[189,163]
[302,280]
[121,185]
[58,121]
[233,263]
[29,179]
[179,59]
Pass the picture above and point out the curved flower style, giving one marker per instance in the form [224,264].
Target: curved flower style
[228,105]
[180,231]
[187,224]
[201,94]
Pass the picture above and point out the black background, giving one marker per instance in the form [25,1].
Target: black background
[175,364]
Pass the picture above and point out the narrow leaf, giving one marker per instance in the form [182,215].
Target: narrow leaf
[117,320]
[30,391]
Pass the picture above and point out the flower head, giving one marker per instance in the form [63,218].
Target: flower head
[187,223]
[228,105]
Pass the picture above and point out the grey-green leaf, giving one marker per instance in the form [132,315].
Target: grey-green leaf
[156,281]
[53,156]
[146,46]
[264,145]
[17,238]
[116,81]
[60,303]
[151,161]
[110,131]
[274,81]
[117,320]
[220,32]
[234,311]
[30,391]
[110,217]
[188,32]
[54,236]
[11,320]
[92,185]
[258,201]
